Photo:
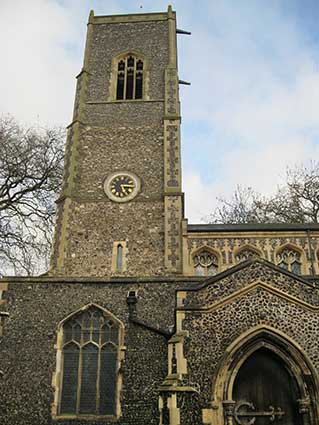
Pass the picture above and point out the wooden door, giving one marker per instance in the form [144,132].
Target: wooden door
[265,392]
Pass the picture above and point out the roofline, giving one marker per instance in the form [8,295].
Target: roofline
[132,17]
[124,15]
[193,280]
[253,227]
[238,267]
[88,280]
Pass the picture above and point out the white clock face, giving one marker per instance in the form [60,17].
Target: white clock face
[122,186]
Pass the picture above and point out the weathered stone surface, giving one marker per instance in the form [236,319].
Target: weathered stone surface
[149,38]
[28,355]
[108,137]
[183,326]
[211,332]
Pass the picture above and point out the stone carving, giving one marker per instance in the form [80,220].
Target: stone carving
[173,234]
[171,91]
[173,156]
[235,250]
[205,263]
[246,254]
[289,259]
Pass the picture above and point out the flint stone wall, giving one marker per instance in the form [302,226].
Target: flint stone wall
[28,355]
[211,333]
[149,38]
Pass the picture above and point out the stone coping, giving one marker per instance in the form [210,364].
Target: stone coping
[94,280]
[268,227]
[136,17]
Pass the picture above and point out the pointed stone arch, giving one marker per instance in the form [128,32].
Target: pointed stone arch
[291,248]
[211,258]
[291,355]
[139,56]
[87,307]
[248,252]
[101,340]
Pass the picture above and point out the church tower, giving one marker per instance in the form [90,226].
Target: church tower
[121,205]
[121,330]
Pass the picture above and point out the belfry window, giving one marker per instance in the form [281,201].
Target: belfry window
[205,264]
[289,259]
[89,364]
[129,78]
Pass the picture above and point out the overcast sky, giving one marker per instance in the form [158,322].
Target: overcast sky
[252,108]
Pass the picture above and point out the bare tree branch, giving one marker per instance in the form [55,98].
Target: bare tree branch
[30,176]
[295,202]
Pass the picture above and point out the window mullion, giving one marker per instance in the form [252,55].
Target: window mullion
[104,369]
[125,80]
[78,395]
[98,381]
[134,78]
[62,375]
[143,83]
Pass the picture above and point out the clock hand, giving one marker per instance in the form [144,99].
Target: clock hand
[124,186]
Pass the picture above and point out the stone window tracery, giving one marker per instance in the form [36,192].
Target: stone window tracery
[90,355]
[246,254]
[130,78]
[289,259]
[205,263]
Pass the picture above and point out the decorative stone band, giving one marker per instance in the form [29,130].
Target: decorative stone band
[171,92]
[172,176]
[173,234]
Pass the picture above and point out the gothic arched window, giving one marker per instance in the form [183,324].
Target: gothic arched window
[246,254]
[130,73]
[289,259]
[90,356]
[205,263]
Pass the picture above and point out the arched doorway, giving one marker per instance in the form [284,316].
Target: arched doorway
[265,378]
[265,392]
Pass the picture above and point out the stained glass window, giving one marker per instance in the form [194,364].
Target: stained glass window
[289,259]
[90,356]
[130,78]
[205,264]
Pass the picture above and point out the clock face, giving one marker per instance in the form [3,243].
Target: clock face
[122,186]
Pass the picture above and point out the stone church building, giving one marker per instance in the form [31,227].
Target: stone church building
[143,318]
